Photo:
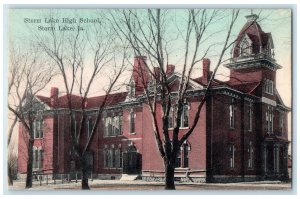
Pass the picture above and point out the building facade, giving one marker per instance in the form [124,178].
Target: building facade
[242,133]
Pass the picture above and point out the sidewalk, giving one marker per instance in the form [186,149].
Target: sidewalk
[144,185]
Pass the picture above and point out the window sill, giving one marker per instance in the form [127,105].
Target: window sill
[133,133]
[184,127]
[38,138]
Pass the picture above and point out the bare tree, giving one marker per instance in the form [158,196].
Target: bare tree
[68,51]
[12,164]
[146,31]
[29,73]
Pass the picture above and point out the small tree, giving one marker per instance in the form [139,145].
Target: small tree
[147,32]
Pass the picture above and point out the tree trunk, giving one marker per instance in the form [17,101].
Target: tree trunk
[10,175]
[29,164]
[84,177]
[169,177]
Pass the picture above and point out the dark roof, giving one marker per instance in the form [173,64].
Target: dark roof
[248,87]
[92,102]
[112,99]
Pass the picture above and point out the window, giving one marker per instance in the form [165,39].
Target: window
[269,85]
[170,118]
[38,128]
[113,126]
[246,47]
[250,155]
[120,158]
[74,124]
[231,114]
[106,158]
[184,119]
[132,122]
[182,158]
[185,116]
[250,116]
[112,157]
[37,158]
[90,126]
[269,119]
[185,155]
[178,159]
[231,155]
[280,120]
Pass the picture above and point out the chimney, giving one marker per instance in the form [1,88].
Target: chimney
[54,96]
[206,70]
[170,69]
[140,72]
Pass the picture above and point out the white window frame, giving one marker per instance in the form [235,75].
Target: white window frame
[232,150]
[231,115]
[132,122]
[185,112]
[246,46]
[250,115]
[269,86]
[251,156]
[38,128]
[270,119]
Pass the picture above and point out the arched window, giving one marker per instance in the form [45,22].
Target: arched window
[245,46]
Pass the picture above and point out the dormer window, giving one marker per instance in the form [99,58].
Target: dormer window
[246,47]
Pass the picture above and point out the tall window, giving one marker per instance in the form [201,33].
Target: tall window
[120,158]
[280,120]
[113,158]
[269,119]
[246,47]
[106,158]
[38,128]
[231,155]
[250,116]
[132,122]
[250,155]
[185,155]
[170,118]
[178,159]
[185,116]
[269,86]
[90,126]
[74,124]
[182,158]
[231,114]
[37,158]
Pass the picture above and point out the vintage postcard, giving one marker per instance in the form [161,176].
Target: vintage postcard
[191,98]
